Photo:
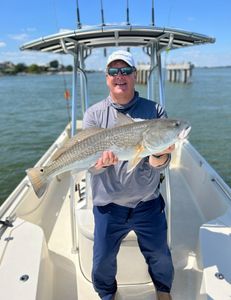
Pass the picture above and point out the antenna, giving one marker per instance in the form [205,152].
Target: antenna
[79,25]
[102,16]
[128,22]
[153,15]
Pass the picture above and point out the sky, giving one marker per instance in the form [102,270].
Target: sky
[22,21]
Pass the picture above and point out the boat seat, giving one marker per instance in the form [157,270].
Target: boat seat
[132,268]
[215,243]
[24,270]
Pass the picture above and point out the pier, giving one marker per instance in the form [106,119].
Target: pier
[179,72]
[143,71]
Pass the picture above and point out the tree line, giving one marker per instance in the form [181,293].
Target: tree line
[53,66]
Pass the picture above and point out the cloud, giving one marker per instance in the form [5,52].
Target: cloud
[24,35]
[19,37]
[2,44]
[97,60]
[30,29]
[63,30]
[196,55]
[199,56]
[190,19]
[32,57]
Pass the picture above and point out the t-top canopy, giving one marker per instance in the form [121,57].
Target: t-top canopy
[114,36]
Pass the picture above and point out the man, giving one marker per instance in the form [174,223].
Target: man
[131,199]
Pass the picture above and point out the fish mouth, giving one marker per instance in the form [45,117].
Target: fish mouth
[184,133]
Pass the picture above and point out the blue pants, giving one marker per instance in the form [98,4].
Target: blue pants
[112,223]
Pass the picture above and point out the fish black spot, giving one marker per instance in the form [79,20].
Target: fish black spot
[41,170]
[177,123]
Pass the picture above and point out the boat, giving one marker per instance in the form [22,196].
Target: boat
[46,244]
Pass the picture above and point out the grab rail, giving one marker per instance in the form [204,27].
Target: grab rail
[12,215]
[169,206]
[73,214]
[19,193]
[221,187]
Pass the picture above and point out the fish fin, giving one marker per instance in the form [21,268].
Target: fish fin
[135,161]
[83,134]
[38,180]
[122,119]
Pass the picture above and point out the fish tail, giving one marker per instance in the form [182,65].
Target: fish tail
[38,180]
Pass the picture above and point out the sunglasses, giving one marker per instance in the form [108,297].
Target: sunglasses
[123,71]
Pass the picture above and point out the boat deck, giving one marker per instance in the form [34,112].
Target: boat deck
[186,220]
[198,208]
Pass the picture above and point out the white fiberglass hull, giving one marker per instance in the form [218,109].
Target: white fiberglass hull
[44,257]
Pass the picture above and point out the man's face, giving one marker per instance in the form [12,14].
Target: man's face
[121,86]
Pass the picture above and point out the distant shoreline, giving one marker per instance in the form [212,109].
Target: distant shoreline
[47,73]
[87,71]
[215,67]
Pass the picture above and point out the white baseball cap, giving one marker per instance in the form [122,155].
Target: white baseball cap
[121,55]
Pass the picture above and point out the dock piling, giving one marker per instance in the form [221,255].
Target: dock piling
[143,71]
[179,72]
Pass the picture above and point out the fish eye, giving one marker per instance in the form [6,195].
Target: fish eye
[41,170]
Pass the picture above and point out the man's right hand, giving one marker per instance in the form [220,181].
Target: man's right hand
[108,158]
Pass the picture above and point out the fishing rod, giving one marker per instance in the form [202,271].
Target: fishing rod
[128,22]
[102,13]
[79,25]
[153,15]
[66,90]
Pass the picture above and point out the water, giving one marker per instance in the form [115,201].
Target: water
[33,113]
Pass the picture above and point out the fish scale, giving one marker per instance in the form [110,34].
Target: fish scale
[131,141]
